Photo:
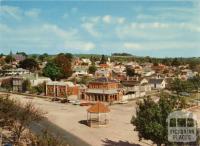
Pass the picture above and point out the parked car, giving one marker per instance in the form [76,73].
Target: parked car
[77,102]
[184,94]
[123,102]
[64,100]
[55,99]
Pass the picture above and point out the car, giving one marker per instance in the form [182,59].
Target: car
[64,100]
[184,94]
[55,99]
[77,102]
[123,102]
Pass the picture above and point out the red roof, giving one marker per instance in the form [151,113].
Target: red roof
[104,65]
[98,108]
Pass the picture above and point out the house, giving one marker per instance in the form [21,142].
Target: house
[186,74]
[103,73]
[17,81]
[103,89]
[17,71]
[19,57]
[86,61]
[80,71]
[61,89]
[136,85]
[157,83]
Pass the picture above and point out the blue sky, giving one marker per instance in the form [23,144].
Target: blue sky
[160,28]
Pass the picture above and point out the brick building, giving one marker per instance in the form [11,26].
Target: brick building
[103,89]
[61,89]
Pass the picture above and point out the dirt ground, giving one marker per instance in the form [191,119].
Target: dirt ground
[119,131]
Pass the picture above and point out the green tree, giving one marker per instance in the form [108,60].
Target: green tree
[195,82]
[9,59]
[52,71]
[22,53]
[103,60]
[43,57]
[175,62]
[154,126]
[92,69]
[130,72]
[29,63]
[179,86]
[26,85]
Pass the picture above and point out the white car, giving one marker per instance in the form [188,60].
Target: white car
[123,102]
[77,102]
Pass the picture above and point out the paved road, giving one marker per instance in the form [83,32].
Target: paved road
[66,136]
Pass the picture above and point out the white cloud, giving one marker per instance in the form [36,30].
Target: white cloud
[46,38]
[32,13]
[89,46]
[131,45]
[120,20]
[107,19]
[11,11]
[89,27]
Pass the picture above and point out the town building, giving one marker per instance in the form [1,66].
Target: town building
[103,73]
[15,71]
[17,81]
[19,57]
[80,71]
[103,89]
[61,89]
[157,83]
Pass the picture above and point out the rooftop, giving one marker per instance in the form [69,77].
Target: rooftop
[98,108]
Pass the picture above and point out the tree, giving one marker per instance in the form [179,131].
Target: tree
[22,53]
[175,62]
[29,63]
[103,60]
[52,71]
[64,62]
[154,126]
[179,86]
[130,72]
[43,57]
[9,59]
[193,64]
[2,61]
[26,85]
[195,81]
[18,116]
[92,69]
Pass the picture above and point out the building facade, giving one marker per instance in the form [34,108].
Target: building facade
[103,89]
[61,89]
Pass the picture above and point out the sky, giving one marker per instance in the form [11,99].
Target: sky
[159,28]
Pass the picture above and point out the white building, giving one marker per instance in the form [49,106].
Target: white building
[157,83]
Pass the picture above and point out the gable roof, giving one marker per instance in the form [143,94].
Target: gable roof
[98,108]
